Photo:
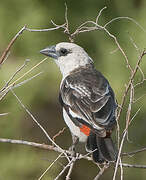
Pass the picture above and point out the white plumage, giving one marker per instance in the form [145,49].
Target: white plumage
[73,128]
[73,60]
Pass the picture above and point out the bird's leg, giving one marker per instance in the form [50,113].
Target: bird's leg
[75,141]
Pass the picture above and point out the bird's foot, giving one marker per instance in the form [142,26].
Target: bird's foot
[72,149]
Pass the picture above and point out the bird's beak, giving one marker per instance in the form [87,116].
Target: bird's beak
[50,51]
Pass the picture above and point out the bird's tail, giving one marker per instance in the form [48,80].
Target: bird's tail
[103,148]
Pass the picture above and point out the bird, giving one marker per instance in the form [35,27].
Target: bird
[88,101]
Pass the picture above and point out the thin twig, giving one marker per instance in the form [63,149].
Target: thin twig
[100,12]
[58,134]
[119,155]
[66,18]
[128,116]
[134,152]
[39,125]
[33,144]
[14,83]
[27,80]
[119,47]
[19,84]
[6,51]
[143,78]
[134,115]
[121,168]
[50,166]
[3,114]
[45,30]
[128,18]
[45,147]
[3,94]
[134,44]
[139,98]
[67,31]
[12,77]
[52,148]
[125,132]
[134,166]
[71,169]
[106,166]
[64,169]
[129,84]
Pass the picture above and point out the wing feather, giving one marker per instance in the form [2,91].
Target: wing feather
[88,94]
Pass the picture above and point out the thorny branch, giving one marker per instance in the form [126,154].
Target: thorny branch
[87,26]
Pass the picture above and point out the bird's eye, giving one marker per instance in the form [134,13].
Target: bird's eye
[63,52]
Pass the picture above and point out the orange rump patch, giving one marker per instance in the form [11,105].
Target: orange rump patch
[85,130]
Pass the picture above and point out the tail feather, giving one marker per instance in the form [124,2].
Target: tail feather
[107,148]
[91,146]
[103,148]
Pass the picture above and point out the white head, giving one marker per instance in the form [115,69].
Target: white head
[68,56]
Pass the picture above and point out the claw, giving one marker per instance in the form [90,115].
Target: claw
[75,141]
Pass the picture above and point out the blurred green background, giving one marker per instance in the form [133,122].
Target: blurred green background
[41,94]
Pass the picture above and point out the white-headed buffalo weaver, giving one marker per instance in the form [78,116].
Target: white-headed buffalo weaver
[88,101]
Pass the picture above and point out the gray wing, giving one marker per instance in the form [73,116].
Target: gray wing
[88,96]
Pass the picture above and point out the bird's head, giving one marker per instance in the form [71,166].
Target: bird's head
[68,56]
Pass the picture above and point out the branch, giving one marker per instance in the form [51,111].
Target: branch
[106,166]
[27,80]
[80,156]
[45,147]
[45,30]
[12,77]
[39,125]
[71,168]
[84,27]
[6,51]
[119,47]
[134,152]
[129,83]
[7,87]
[3,114]
[58,134]
[100,12]
[64,169]
[50,166]
[134,166]
[119,155]
[128,18]
[28,143]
